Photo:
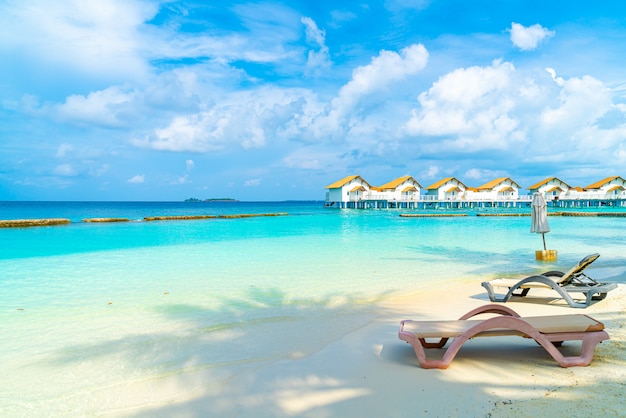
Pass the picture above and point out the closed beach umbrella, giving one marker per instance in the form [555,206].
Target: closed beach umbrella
[539,217]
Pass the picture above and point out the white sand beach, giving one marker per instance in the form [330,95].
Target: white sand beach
[369,372]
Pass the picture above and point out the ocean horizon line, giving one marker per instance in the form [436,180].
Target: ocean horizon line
[165,201]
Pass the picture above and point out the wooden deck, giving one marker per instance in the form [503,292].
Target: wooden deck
[428,204]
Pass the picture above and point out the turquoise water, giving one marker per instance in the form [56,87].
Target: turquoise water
[104,318]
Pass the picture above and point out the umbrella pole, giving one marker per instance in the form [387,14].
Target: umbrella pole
[543,236]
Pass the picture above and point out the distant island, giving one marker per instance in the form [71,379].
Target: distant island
[220,199]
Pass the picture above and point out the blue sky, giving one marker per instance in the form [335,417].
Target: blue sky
[166,100]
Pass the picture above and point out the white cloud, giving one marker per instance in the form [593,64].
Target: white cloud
[252,182]
[528,38]
[115,41]
[182,180]
[102,107]
[307,159]
[313,33]
[582,101]
[259,48]
[472,106]
[90,35]
[204,108]
[138,179]
[339,17]
[572,124]
[64,149]
[558,80]
[202,132]
[245,120]
[383,70]
[483,175]
[65,170]
[518,113]
[320,59]
[431,172]
[100,170]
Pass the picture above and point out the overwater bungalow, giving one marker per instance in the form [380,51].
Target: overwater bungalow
[500,189]
[406,192]
[449,188]
[355,192]
[552,188]
[347,192]
[609,188]
[402,189]
[610,191]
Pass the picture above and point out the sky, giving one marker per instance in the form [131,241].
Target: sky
[148,100]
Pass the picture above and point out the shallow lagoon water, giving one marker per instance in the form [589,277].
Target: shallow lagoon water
[100,316]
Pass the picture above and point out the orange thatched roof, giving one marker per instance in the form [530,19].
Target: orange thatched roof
[602,182]
[345,181]
[546,181]
[493,183]
[444,181]
[551,189]
[393,184]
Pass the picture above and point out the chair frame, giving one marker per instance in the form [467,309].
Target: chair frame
[508,320]
[574,281]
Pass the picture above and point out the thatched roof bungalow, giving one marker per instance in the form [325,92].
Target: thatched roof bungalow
[552,188]
[610,187]
[348,189]
[402,188]
[449,188]
[502,188]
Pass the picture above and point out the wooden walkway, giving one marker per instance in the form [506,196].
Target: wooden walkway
[523,202]
[570,214]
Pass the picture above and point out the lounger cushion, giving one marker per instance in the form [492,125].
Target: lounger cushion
[544,324]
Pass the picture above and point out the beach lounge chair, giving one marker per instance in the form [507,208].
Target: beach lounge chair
[548,331]
[572,283]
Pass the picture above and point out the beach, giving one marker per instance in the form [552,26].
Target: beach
[290,316]
[369,372]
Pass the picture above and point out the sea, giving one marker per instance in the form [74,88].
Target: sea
[115,318]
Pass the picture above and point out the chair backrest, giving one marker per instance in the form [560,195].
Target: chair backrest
[578,269]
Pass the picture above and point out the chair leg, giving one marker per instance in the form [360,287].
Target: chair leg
[492,295]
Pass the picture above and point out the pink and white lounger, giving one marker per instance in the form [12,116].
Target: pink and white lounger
[548,331]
